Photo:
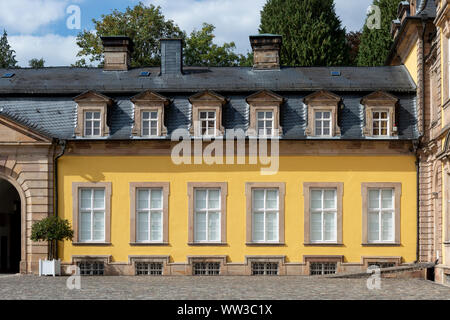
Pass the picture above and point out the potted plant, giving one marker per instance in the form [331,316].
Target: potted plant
[51,229]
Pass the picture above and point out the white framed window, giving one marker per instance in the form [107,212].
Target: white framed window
[265,123]
[92,215]
[265,215]
[322,122]
[207,123]
[92,123]
[380,123]
[381,220]
[323,215]
[207,208]
[149,123]
[149,215]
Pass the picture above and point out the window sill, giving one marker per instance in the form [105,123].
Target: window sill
[207,244]
[381,244]
[265,244]
[144,244]
[93,244]
[323,244]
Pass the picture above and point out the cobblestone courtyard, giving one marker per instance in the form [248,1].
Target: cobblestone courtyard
[213,288]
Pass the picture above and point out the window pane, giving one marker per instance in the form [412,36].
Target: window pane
[272,199]
[145,116]
[156,199]
[200,199]
[88,129]
[143,196]
[319,115]
[269,124]
[388,227]
[85,198]
[85,226]
[96,132]
[154,115]
[200,226]
[316,227]
[330,227]
[214,227]
[97,115]
[258,226]
[326,131]
[330,199]
[374,199]
[88,116]
[316,199]
[99,199]
[258,199]
[214,199]
[211,115]
[260,115]
[271,226]
[386,198]
[142,226]
[99,226]
[327,115]
[269,115]
[203,115]
[156,226]
[373,228]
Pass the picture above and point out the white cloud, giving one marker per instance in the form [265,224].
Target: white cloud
[27,16]
[56,50]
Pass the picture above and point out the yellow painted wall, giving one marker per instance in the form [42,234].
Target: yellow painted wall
[411,63]
[294,170]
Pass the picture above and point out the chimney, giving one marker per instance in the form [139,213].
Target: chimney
[266,51]
[117,51]
[171,56]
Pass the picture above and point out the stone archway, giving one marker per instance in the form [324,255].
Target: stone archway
[11,243]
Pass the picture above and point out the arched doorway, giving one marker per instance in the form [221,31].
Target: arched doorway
[10,228]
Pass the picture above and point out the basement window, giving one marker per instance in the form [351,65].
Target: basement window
[149,269]
[322,268]
[95,268]
[207,269]
[264,269]
[447,279]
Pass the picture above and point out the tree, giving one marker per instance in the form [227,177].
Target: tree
[376,43]
[201,51]
[36,63]
[7,55]
[145,25]
[51,229]
[353,43]
[312,32]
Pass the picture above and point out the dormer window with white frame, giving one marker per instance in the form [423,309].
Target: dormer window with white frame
[207,114]
[323,108]
[92,109]
[265,114]
[149,115]
[380,115]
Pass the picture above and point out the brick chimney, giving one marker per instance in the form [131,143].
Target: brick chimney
[266,51]
[117,51]
[171,56]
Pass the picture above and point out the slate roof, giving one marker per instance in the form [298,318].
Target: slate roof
[427,8]
[44,97]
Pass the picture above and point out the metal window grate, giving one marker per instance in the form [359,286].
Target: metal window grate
[91,268]
[207,269]
[322,268]
[382,265]
[149,269]
[264,269]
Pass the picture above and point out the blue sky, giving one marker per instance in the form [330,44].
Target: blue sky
[37,28]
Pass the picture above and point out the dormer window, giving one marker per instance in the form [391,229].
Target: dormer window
[380,115]
[149,123]
[207,120]
[265,123]
[149,115]
[323,107]
[92,123]
[92,109]
[265,114]
[207,114]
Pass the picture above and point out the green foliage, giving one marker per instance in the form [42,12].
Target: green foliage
[51,229]
[312,33]
[36,63]
[7,55]
[144,24]
[376,43]
[201,51]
